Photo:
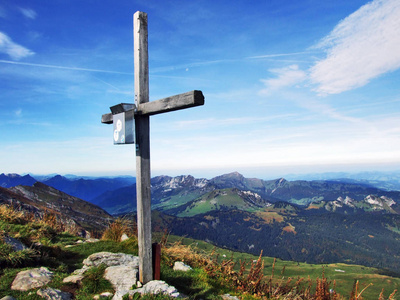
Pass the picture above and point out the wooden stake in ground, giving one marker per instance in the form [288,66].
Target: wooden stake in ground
[142,110]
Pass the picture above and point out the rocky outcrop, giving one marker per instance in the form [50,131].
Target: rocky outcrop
[73,213]
[31,279]
[122,271]
[122,277]
[152,287]
[111,259]
[53,294]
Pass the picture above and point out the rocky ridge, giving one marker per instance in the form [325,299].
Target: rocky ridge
[41,200]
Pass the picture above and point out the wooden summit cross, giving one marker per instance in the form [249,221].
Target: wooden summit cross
[140,112]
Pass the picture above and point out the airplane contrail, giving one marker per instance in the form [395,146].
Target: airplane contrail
[62,67]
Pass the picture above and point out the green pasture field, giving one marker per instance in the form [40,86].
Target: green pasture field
[343,274]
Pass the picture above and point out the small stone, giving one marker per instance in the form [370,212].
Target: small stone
[106,294]
[8,298]
[158,287]
[73,279]
[14,243]
[139,284]
[53,294]
[92,240]
[180,266]
[30,279]
[229,297]
[124,237]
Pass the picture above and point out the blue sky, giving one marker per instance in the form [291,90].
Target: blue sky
[290,86]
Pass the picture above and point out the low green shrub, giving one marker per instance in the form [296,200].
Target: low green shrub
[94,283]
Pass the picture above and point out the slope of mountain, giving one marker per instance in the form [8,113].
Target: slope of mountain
[166,192]
[10,180]
[41,199]
[87,189]
[225,199]
[370,239]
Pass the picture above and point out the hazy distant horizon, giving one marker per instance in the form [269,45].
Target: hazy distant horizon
[289,86]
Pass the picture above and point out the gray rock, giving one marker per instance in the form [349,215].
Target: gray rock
[111,259]
[121,277]
[158,287]
[14,243]
[73,279]
[180,266]
[152,287]
[103,295]
[30,279]
[80,271]
[92,240]
[53,294]
[229,297]
[8,298]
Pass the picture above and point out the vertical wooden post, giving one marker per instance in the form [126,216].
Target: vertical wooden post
[142,128]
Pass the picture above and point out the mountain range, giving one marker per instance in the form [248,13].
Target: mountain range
[319,221]
[86,188]
[175,195]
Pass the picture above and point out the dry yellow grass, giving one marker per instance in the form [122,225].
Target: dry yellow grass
[270,216]
[117,228]
[289,228]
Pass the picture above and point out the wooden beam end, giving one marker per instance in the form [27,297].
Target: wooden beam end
[198,97]
[107,118]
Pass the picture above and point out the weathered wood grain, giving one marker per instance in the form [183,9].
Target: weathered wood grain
[142,127]
[181,101]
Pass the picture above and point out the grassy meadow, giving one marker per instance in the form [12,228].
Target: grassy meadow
[215,271]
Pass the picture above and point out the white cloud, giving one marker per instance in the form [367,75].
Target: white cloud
[28,13]
[361,47]
[12,49]
[286,76]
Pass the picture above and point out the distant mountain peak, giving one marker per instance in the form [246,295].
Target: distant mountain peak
[234,174]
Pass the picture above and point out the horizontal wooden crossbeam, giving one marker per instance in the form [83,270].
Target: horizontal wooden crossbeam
[181,101]
[177,102]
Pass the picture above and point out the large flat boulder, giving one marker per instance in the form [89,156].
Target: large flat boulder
[32,278]
[122,277]
[111,259]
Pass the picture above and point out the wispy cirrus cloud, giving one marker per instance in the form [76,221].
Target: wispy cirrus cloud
[12,49]
[286,76]
[361,47]
[28,13]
